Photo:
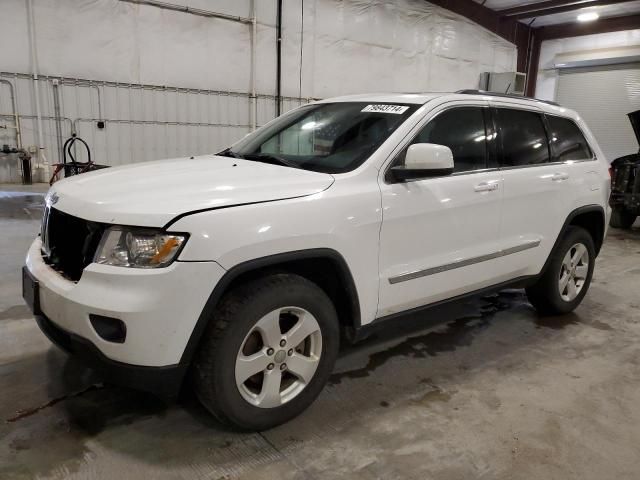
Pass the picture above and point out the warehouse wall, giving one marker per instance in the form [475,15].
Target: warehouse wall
[171,83]
[547,79]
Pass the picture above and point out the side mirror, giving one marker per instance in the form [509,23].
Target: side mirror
[424,160]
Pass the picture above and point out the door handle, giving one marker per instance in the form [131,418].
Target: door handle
[559,177]
[486,187]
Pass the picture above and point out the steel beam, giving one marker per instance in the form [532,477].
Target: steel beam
[532,64]
[530,7]
[531,11]
[575,29]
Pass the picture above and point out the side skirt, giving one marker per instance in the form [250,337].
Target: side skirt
[385,322]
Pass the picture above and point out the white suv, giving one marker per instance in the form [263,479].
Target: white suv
[244,268]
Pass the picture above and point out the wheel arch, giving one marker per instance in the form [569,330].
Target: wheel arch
[589,217]
[592,219]
[324,266]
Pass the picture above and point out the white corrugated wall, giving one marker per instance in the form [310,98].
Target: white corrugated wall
[170,83]
[603,96]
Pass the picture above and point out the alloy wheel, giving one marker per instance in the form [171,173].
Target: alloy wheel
[278,357]
[573,272]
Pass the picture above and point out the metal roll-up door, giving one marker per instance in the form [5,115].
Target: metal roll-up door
[603,96]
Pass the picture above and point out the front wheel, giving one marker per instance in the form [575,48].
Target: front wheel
[566,280]
[268,352]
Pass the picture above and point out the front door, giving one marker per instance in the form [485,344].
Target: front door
[440,235]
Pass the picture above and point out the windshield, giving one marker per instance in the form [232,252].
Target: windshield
[326,137]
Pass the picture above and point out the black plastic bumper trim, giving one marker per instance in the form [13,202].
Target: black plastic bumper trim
[164,382]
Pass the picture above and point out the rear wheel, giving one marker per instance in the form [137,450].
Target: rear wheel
[268,352]
[566,280]
[621,218]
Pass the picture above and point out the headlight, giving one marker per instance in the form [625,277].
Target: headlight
[138,247]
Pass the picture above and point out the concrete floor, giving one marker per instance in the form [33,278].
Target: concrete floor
[495,393]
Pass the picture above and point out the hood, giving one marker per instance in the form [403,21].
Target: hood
[151,194]
[634,118]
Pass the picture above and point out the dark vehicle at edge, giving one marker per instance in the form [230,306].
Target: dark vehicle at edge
[625,183]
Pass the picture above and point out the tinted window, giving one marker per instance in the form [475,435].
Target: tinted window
[463,131]
[524,141]
[567,140]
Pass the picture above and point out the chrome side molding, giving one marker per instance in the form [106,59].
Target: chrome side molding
[403,277]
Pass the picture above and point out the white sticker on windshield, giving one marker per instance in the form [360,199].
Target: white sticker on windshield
[397,109]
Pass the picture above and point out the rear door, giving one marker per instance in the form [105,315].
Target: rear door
[537,189]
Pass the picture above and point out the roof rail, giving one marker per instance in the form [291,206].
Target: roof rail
[505,95]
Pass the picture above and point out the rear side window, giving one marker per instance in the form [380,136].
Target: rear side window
[567,140]
[523,138]
[463,131]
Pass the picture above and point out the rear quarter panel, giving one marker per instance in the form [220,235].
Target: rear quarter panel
[596,173]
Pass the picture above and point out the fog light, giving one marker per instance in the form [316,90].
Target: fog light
[109,329]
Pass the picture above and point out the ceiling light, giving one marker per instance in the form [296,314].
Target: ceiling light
[588,17]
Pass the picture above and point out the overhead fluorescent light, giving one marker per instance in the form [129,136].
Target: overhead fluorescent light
[588,17]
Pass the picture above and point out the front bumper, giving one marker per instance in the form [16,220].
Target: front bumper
[162,381]
[160,307]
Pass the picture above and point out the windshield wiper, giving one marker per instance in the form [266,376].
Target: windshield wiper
[228,153]
[270,158]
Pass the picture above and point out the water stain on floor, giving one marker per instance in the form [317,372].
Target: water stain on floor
[598,325]
[452,334]
[27,412]
[83,414]
[21,205]
[557,322]
[16,312]
[435,395]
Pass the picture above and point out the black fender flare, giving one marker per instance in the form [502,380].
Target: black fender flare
[567,223]
[259,263]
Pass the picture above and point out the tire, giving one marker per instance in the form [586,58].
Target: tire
[240,330]
[547,295]
[621,218]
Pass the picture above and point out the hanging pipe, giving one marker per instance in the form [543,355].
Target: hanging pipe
[254,99]
[279,59]
[14,111]
[36,87]
[193,11]
[58,117]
